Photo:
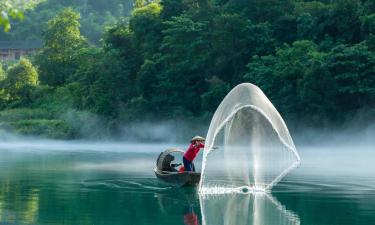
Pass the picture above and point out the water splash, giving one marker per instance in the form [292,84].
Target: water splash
[247,145]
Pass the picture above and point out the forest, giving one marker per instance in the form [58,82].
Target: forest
[105,65]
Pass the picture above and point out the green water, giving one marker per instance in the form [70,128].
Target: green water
[58,183]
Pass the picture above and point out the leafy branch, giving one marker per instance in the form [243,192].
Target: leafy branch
[14,9]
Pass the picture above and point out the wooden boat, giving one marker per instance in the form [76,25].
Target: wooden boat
[179,179]
[167,173]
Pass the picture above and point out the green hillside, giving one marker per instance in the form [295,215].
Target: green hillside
[176,60]
[95,16]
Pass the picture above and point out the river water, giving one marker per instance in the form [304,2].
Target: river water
[113,183]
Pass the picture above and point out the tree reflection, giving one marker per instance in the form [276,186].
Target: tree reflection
[18,204]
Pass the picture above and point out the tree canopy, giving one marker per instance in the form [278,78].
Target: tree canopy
[176,59]
[30,24]
[21,79]
[56,61]
[14,10]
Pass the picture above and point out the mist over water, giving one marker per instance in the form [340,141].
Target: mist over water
[108,182]
[44,181]
[171,131]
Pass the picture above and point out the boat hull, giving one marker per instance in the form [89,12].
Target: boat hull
[184,179]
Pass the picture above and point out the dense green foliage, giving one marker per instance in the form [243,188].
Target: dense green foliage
[95,15]
[175,59]
[56,60]
[21,79]
[14,10]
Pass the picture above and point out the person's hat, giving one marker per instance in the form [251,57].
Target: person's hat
[197,138]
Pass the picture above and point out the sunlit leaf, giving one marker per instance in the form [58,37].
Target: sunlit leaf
[14,10]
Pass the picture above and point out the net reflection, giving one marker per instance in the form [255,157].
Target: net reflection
[245,209]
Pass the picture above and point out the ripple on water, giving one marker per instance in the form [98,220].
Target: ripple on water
[344,186]
[139,185]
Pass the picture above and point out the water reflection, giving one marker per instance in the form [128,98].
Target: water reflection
[246,209]
[18,205]
[86,187]
[190,217]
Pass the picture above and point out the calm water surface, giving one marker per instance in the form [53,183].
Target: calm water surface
[75,183]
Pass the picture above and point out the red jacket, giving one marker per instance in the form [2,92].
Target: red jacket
[192,151]
[191,219]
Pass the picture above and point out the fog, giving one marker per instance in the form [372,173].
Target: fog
[29,144]
[144,136]
[162,131]
[348,152]
[329,160]
[130,166]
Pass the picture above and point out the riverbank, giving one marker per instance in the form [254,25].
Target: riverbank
[45,123]
[42,123]
[72,124]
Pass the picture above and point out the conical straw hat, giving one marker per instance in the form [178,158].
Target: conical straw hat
[197,138]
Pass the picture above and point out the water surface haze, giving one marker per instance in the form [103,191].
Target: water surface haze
[81,182]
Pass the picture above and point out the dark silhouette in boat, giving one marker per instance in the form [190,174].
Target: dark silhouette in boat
[167,171]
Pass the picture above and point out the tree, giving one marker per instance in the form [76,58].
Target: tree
[15,10]
[96,15]
[318,93]
[146,24]
[3,95]
[234,40]
[314,8]
[184,56]
[56,60]
[172,8]
[285,29]
[21,80]
[368,6]
[314,86]
[353,68]
[2,73]
[261,10]
[341,22]
[147,79]
[368,26]
[215,94]
[140,3]
[108,75]
[305,27]
[284,76]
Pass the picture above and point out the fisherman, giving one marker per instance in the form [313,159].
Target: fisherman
[197,143]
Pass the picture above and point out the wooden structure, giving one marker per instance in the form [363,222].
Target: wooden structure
[14,50]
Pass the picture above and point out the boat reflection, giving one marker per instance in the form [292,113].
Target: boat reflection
[245,209]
